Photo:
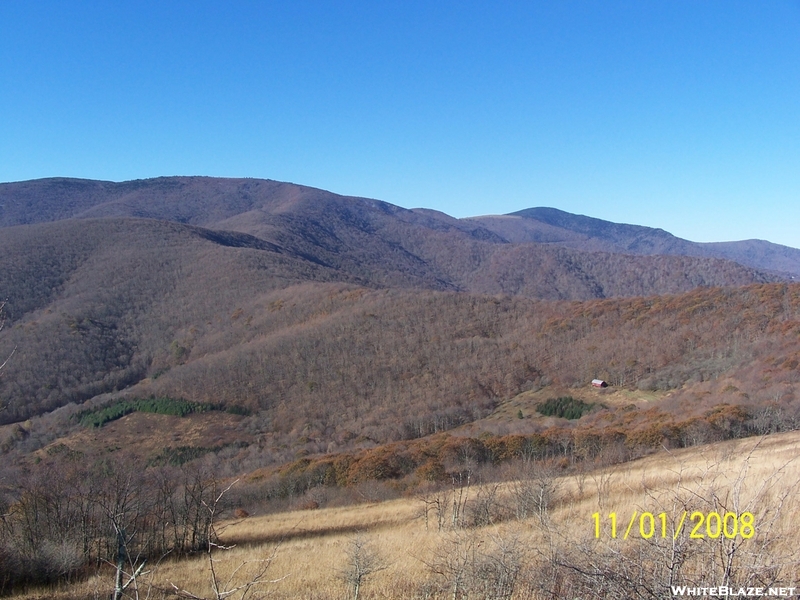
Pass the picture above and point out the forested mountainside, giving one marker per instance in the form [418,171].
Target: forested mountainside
[365,241]
[252,205]
[111,284]
[165,335]
[97,305]
[553,226]
[361,234]
[332,362]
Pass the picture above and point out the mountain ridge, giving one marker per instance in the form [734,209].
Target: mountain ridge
[368,239]
[260,206]
[109,284]
[554,226]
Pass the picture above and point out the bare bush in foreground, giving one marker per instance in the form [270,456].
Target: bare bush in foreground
[363,560]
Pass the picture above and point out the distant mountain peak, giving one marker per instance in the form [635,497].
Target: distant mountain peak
[583,224]
[554,226]
[311,219]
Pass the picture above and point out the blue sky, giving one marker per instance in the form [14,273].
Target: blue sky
[683,115]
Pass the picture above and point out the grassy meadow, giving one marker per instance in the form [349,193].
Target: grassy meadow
[503,547]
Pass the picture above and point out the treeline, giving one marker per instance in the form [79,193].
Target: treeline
[615,437]
[65,515]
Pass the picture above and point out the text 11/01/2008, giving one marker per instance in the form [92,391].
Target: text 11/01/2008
[701,525]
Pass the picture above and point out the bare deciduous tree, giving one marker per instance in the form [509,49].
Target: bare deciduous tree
[485,509]
[362,561]
[126,560]
[534,491]
[461,485]
[468,565]
[434,498]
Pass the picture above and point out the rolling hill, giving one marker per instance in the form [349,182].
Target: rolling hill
[169,334]
[553,226]
[112,284]
[374,242]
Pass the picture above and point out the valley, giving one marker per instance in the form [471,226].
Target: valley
[344,364]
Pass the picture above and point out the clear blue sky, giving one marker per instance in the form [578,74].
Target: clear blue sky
[683,115]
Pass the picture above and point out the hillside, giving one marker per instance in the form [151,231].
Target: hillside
[504,541]
[320,366]
[377,243]
[111,284]
[169,336]
[553,226]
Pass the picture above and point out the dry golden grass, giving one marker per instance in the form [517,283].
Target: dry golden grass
[307,550]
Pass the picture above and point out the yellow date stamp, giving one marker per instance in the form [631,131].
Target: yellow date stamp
[700,526]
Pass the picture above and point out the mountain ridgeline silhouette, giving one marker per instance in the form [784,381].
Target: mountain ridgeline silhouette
[553,226]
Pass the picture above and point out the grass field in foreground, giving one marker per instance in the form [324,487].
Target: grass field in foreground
[526,550]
